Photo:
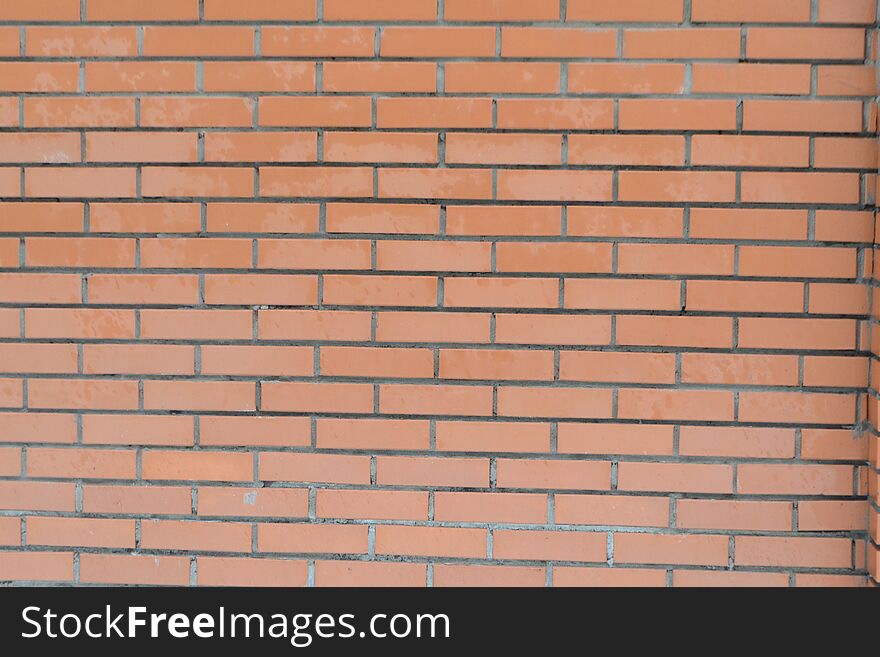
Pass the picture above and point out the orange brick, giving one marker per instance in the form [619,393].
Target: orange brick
[769,79]
[258,502]
[674,114]
[639,439]
[73,183]
[337,433]
[790,479]
[366,573]
[636,10]
[394,218]
[409,77]
[304,111]
[738,515]
[264,10]
[544,185]
[636,150]
[313,538]
[555,42]
[417,471]
[492,10]
[492,436]
[313,325]
[805,43]
[138,359]
[547,545]
[42,147]
[576,258]
[377,362]
[199,395]
[737,442]
[757,11]
[618,577]
[425,399]
[616,367]
[86,532]
[613,78]
[314,41]
[688,549]
[801,551]
[526,508]
[802,116]
[496,364]
[503,292]
[261,431]
[137,499]
[678,43]
[428,541]
[320,468]
[317,397]
[378,10]
[199,324]
[739,369]
[195,535]
[554,402]
[134,569]
[433,256]
[611,510]
[581,475]
[724,223]
[268,361]
[376,505]
[37,566]
[201,41]
[193,112]
[555,114]
[677,477]
[754,151]
[464,148]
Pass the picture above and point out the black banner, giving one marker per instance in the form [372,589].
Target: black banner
[419,621]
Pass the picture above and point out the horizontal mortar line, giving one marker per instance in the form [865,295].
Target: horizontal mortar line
[302,55]
[482,202]
[391,558]
[475,454]
[135,485]
[430,166]
[434,416]
[548,382]
[452,239]
[439,22]
[385,93]
[562,528]
[426,273]
[484,130]
[464,345]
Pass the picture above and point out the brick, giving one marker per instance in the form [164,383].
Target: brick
[782,11]
[542,185]
[581,475]
[253,502]
[574,114]
[803,552]
[526,508]
[199,395]
[427,541]
[389,218]
[647,11]
[611,510]
[197,466]
[552,329]
[612,78]
[86,532]
[195,535]
[737,442]
[37,566]
[616,367]
[134,569]
[229,571]
[548,545]
[319,468]
[805,43]
[769,479]
[492,436]
[298,538]
[677,477]
[738,515]
[317,397]
[496,364]
[263,10]
[315,41]
[337,433]
[336,112]
[638,439]
[258,431]
[375,505]
[360,573]
[617,577]
[556,42]
[685,549]
[137,499]
[678,43]
[554,402]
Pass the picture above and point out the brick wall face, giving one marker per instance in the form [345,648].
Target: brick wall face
[437,292]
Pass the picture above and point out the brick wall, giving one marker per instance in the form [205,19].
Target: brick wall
[435,292]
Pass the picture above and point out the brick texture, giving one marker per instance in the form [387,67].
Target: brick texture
[439,292]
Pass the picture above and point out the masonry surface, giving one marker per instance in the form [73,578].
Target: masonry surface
[437,292]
